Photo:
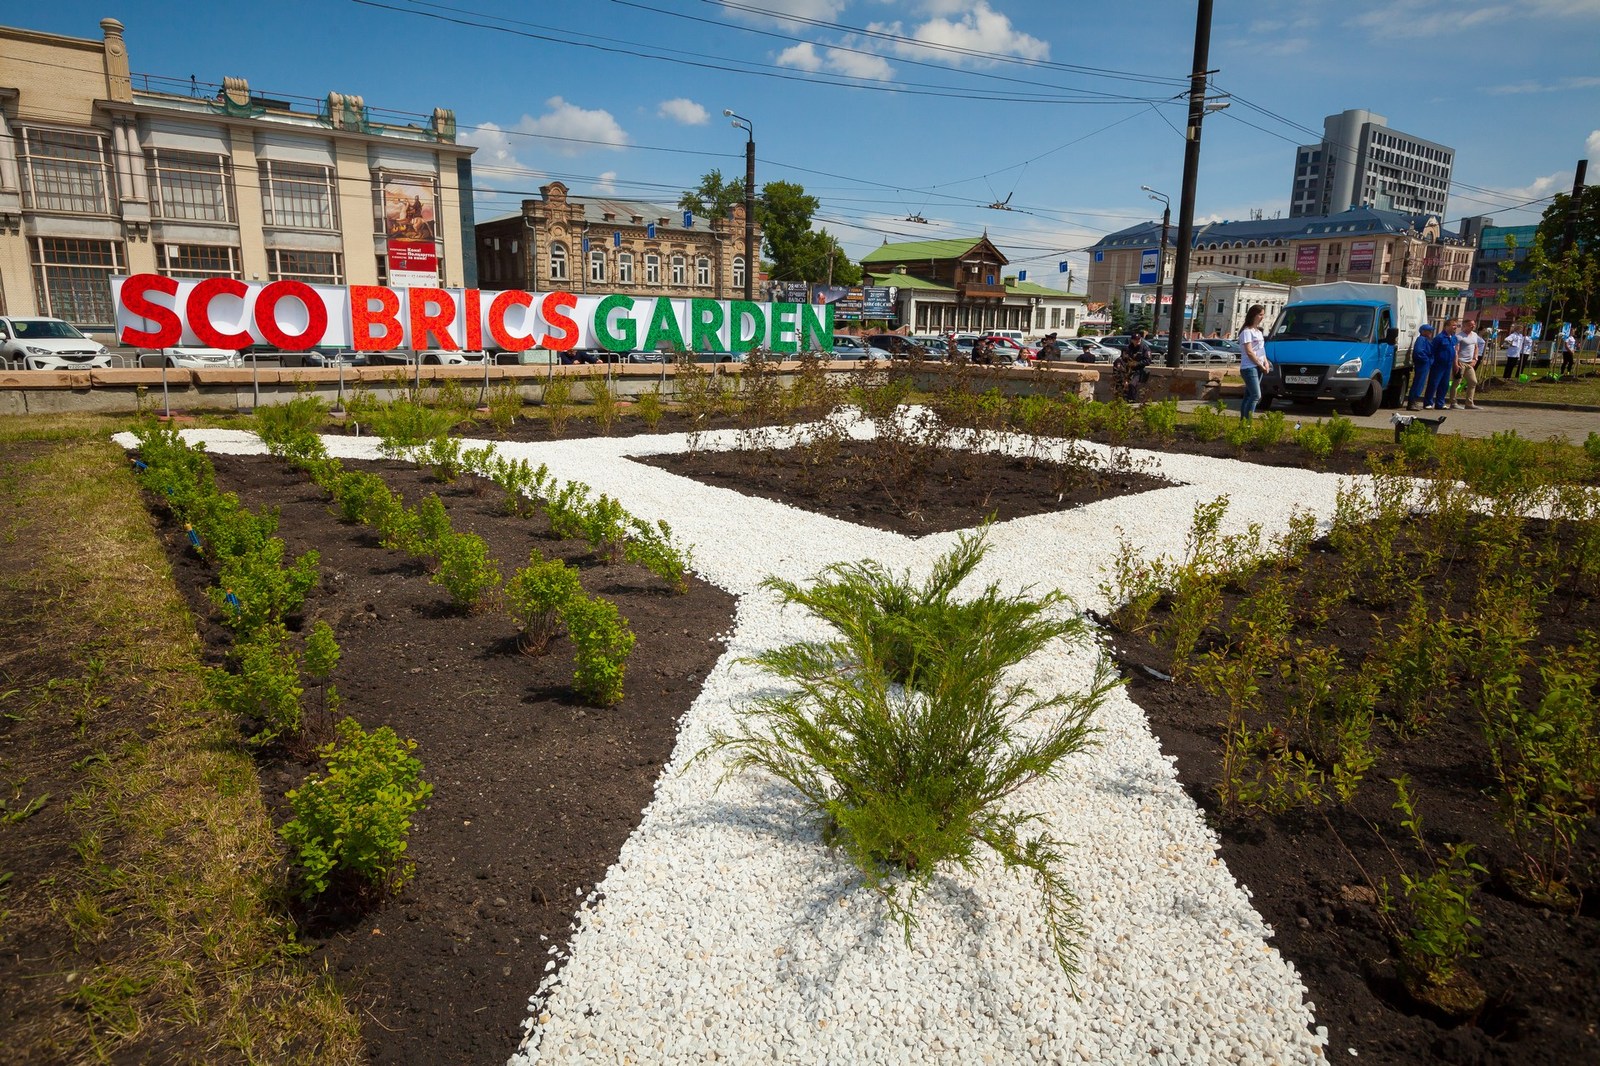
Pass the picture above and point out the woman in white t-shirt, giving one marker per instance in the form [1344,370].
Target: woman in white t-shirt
[1252,359]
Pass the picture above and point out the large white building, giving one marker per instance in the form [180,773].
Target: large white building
[105,172]
[1361,162]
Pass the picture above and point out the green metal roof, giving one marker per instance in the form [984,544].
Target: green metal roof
[911,251]
[1028,288]
[910,281]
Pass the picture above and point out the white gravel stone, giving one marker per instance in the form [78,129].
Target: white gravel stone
[727,930]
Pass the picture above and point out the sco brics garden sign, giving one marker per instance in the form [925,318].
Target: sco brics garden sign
[155,311]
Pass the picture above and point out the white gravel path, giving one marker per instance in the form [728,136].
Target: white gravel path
[726,931]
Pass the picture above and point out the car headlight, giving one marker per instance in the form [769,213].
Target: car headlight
[103,350]
[1349,367]
[39,351]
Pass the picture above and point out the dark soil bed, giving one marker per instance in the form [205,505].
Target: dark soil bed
[1541,969]
[534,793]
[949,490]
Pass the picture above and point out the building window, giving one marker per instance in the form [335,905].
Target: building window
[702,272]
[72,278]
[318,268]
[680,271]
[597,266]
[738,272]
[652,269]
[558,261]
[298,195]
[199,261]
[65,172]
[190,186]
[625,268]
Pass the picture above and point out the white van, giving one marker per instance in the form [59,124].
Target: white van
[1010,334]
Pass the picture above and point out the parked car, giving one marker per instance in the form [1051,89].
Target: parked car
[847,347]
[897,346]
[50,344]
[190,358]
[436,357]
[336,357]
[1230,347]
[1088,350]
[934,347]
[1008,348]
[1204,352]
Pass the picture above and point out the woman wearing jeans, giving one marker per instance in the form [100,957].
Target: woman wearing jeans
[1252,359]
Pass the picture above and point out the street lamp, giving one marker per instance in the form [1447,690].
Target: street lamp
[742,123]
[1161,256]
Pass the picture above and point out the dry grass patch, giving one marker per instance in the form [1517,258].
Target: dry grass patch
[140,920]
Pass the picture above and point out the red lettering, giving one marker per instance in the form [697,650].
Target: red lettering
[551,309]
[169,330]
[497,320]
[267,315]
[363,316]
[427,323]
[198,310]
[473,313]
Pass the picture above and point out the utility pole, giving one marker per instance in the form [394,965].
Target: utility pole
[1568,239]
[1191,174]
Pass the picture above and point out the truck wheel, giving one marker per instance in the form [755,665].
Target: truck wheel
[1395,394]
[1368,404]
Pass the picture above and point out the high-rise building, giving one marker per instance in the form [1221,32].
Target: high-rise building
[1361,162]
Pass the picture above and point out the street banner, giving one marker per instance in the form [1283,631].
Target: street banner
[1361,253]
[409,226]
[1306,258]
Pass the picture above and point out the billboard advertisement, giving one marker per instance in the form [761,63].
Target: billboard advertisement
[1361,253]
[850,303]
[409,225]
[1307,257]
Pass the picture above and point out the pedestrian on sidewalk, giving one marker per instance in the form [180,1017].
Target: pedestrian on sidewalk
[1569,352]
[1421,365]
[1469,350]
[1437,396]
[1516,348]
[1252,359]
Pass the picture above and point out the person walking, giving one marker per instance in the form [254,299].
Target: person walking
[1252,359]
[1516,348]
[1469,350]
[1569,352]
[1437,396]
[1421,366]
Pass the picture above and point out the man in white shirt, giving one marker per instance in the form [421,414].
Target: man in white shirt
[1569,351]
[1516,347]
[1469,349]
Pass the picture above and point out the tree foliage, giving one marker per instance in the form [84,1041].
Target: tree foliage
[1281,276]
[795,251]
[1567,284]
[713,197]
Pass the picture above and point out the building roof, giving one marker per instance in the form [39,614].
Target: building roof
[1356,220]
[909,281]
[595,208]
[1028,288]
[1216,279]
[951,248]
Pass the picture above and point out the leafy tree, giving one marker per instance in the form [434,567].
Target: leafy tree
[1281,276]
[1568,285]
[713,197]
[1119,318]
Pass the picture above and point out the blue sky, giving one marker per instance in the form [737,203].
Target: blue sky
[892,108]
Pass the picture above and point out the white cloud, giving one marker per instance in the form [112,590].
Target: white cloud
[606,183]
[1559,85]
[980,29]
[806,56]
[682,109]
[763,10]
[1591,146]
[584,130]
[801,56]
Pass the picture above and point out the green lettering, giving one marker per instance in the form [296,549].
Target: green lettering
[627,331]
[816,327]
[783,316]
[663,327]
[741,312]
[705,325]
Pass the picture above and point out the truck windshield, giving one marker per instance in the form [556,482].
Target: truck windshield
[1324,322]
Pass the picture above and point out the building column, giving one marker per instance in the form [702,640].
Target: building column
[247,194]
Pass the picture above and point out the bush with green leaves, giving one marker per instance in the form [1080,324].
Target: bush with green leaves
[536,595]
[1270,428]
[1341,431]
[432,526]
[351,822]
[442,455]
[1209,423]
[404,424]
[465,569]
[602,403]
[265,589]
[567,508]
[653,548]
[290,429]
[650,408]
[1418,442]
[505,406]
[264,688]
[603,641]
[556,399]
[361,497]
[1313,438]
[605,527]
[1160,418]
[908,778]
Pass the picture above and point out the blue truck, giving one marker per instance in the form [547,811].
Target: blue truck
[1346,342]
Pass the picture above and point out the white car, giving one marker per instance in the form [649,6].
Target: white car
[437,357]
[50,344]
[190,358]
